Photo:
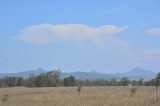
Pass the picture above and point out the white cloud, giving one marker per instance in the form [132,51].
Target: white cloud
[47,33]
[154,31]
[113,49]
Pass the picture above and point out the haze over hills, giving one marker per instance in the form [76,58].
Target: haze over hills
[134,74]
[24,74]
[138,73]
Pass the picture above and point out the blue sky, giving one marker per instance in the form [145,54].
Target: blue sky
[79,35]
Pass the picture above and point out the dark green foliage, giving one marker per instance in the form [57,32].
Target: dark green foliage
[11,81]
[41,80]
[19,81]
[49,79]
[52,79]
[158,79]
[141,82]
[69,81]
[150,83]
[124,81]
[135,83]
[113,82]
[46,79]
[157,84]
[30,82]
[56,76]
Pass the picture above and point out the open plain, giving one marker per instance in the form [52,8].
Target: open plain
[68,96]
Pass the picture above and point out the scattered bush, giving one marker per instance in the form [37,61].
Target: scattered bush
[79,89]
[5,98]
[133,91]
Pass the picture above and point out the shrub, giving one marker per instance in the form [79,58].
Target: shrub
[133,91]
[79,89]
[5,98]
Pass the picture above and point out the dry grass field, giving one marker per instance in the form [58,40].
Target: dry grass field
[68,96]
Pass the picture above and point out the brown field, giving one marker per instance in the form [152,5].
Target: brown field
[68,96]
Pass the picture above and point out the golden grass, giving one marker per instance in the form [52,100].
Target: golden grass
[68,96]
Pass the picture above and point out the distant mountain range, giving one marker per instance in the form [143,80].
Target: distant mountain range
[134,74]
[24,74]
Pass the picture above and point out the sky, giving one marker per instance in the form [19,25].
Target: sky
[109,36]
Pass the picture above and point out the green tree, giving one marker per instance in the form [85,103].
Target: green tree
[10,81]
[56,76]
[135,83]
[157,84]
[113,82]
[40,80]
[48,79]
[69,81]
[124,81]
[30,82]
[140,82]
[19,81]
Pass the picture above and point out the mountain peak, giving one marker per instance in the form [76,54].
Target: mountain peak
[137,68]
[134,74]
[140,70]
[39,69]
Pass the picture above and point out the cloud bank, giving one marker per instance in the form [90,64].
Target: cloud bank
[48,33]
[115,50]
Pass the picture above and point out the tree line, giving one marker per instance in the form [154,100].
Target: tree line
[52,79]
